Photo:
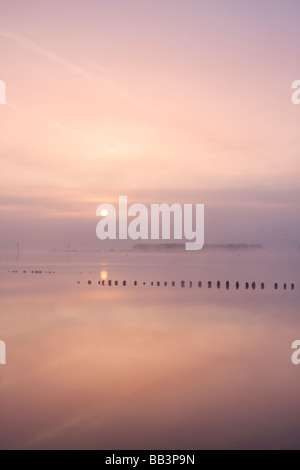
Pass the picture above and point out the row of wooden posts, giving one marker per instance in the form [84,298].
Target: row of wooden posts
[200,284]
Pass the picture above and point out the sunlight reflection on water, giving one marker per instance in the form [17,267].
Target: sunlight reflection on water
[92,366]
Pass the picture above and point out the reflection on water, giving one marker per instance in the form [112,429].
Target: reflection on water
[103,275]
[142,367]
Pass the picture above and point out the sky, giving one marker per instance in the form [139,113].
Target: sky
[163,101]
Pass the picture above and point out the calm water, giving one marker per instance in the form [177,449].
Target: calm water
[151,367]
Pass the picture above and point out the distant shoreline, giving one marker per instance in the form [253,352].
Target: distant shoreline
[144,248]
[180,247]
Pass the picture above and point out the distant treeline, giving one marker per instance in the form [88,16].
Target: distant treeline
[180,247]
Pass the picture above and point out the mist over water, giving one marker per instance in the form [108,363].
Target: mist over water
[164,102]
[141,366]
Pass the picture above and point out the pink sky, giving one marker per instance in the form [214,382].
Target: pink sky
[162,101]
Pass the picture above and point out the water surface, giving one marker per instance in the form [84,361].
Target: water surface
[150,367]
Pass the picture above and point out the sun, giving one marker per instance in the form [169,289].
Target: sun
[104,212]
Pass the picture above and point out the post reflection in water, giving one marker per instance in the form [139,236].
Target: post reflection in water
[103,367]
